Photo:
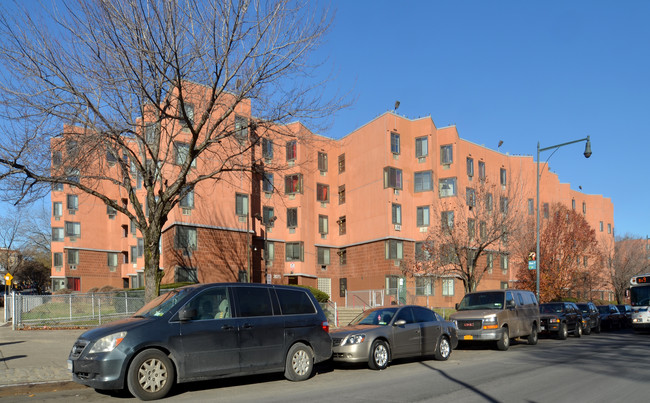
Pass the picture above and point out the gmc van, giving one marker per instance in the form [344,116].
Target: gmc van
[205,331]
[498,315]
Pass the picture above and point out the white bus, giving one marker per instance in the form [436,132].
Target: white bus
[640,301]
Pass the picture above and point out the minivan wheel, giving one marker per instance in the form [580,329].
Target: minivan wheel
[504,342]
[300,363]
[379,354]
[533,337]
[444,349]
[578,331]
[150,375]
[563,333]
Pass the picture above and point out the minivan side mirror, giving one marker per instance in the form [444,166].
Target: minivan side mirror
[186,314]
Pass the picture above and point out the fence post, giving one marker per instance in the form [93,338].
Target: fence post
[92,302]
[100,310]
[13,310]
[346,298]
[70,304]
[126,302]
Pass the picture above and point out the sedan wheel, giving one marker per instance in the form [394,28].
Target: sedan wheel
[379,354]
[444,349]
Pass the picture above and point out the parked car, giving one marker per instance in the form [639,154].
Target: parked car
[590,317]
[610,317]
[380,335]
[560,319]
[205,331]
[497,315]
[626,312]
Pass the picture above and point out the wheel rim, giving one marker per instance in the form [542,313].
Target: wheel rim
[381,355]
[506,339]
[152,375]
[445,348]
[300,362]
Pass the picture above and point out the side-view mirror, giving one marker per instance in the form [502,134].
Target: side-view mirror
[457,305]
[510,304]
[400,322]
[186,314]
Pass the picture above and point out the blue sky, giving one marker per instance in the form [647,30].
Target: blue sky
[517,71]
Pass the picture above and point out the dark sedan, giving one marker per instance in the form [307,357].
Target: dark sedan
[380,335]
[610,316]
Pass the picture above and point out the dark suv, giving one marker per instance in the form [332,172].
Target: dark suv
[626,312]
[205,331]
[560,318]
[590,317]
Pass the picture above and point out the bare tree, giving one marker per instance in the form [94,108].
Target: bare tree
[11,240]
[626,257]
[464,228]
[104,94]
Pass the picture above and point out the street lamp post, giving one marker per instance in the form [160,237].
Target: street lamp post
[587,154]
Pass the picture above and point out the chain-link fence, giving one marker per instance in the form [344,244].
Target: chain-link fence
[394,296]
[71,310]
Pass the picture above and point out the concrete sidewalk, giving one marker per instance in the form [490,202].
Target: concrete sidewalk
[30,357]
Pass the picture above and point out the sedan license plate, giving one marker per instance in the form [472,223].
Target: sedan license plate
[542,328]
[468,337]
[70,365]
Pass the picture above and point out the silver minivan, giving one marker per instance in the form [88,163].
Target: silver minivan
[498,315]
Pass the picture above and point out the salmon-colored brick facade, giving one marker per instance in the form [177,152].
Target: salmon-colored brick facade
[334,226]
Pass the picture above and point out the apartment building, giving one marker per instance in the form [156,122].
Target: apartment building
[342,215]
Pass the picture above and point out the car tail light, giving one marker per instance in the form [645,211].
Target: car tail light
[326,326]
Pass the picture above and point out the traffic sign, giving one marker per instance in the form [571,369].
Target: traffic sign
[532,265]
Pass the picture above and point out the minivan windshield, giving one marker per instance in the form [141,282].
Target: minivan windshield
[482,300]
[380,316]
[163,303]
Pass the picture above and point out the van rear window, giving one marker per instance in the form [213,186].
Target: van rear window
[295,302]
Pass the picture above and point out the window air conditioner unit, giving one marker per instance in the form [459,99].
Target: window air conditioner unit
[398,227]
[73,267]
[186,211]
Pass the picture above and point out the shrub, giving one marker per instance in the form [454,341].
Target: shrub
[321,296]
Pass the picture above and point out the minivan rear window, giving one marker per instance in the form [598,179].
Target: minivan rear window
[295,302]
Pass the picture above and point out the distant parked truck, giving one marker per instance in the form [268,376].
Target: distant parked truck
[640,301]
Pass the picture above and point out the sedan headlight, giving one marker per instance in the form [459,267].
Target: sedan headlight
[354,339]
[107,343]
[554,320]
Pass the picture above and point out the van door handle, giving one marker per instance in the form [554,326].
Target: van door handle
[227,327]
[247,326]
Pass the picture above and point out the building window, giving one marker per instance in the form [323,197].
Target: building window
[422,216]
[269,254]
[489,202]
[601,226]
[57,209]
[57,158]
[545,210]
[189,112]
[267,148]
[134,227]
[110,210]
[112,259]
[292,217]
[424,285]
[504,262]
[292,150]
[471,228]
[421,253]
[421,147]
[323,256]
[503,205]
[182,154]
[396,213]
[267,216]
[187,201]
[423,181]
[585,261]
[573,204]
[342,194]
[57,259]
[151,133]
[531,206]
[134,254]
[184,274]
[140,247]
[343,257]
[470,196]
[186,239]
[584,208]
[447,287]
[446,154]
[72,174]
[447,187]
[241,129]
[394,143]
[73,256]
[489,261]
[343,287]
[294,252]
[503,177]
[322,162]
[470,166]
[57,187]
[394,249]
[322,193]
[72,203]
[267,182]
[293,184]
[241,204]
[609,228]
[341,163]
[481,170]
[392,178]
[323,224]
[72,229]
[483,230]
[342,225]
[447,219]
